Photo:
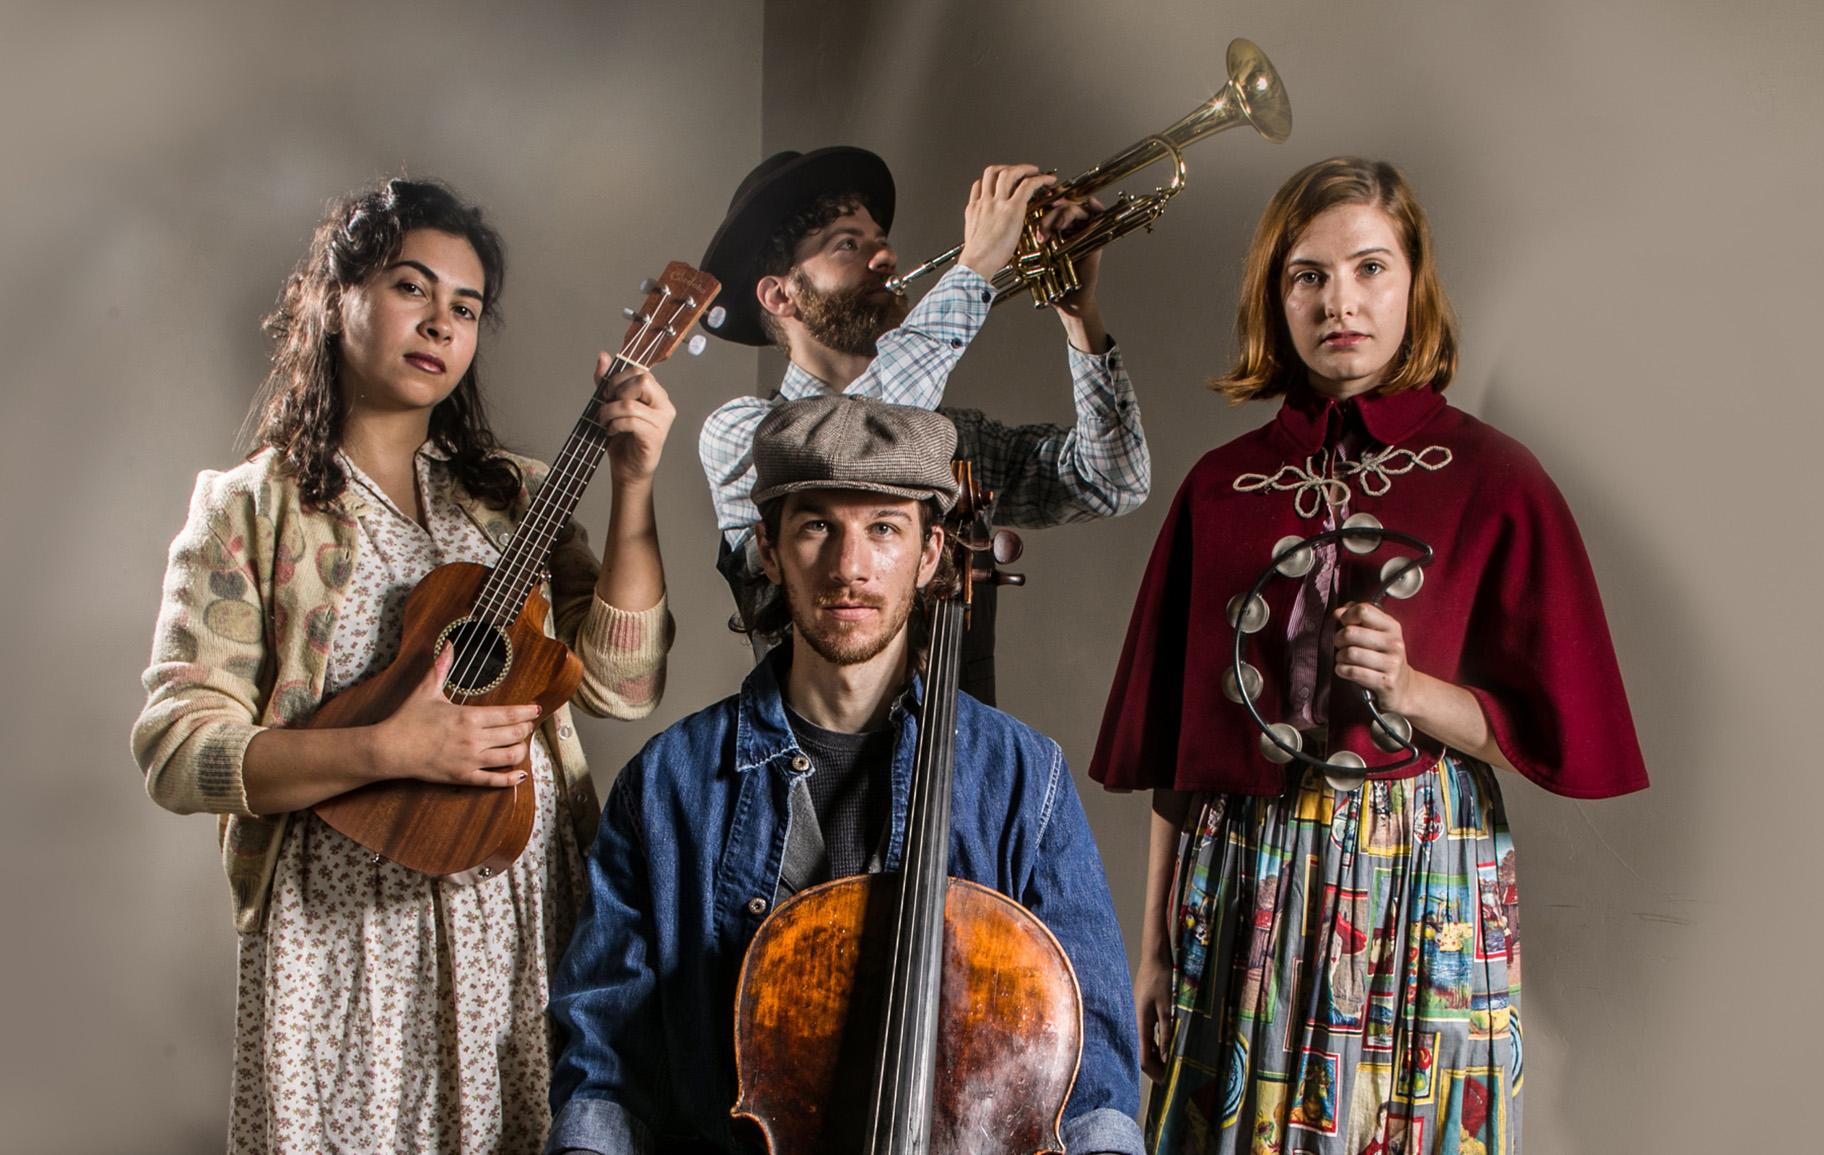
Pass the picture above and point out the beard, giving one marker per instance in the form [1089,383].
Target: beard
[847,320]
[847,643]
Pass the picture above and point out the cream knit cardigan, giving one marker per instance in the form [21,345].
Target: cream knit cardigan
[251,594]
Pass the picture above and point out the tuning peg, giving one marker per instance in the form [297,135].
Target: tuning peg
[633,314]
[1006,546]
[1003,578]
[697,343]
[649,286]
[715,317]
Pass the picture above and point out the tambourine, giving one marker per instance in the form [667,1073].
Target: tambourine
[1293,557]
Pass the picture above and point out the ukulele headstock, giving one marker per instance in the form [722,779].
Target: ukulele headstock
[674,302]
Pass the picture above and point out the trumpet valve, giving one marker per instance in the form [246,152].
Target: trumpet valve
[1049,275]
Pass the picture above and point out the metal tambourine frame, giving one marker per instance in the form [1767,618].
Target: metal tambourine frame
[1247,613]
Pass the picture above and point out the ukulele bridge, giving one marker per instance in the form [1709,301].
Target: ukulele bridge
[484,654]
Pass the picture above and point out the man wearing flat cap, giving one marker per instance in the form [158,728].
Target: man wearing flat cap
[804,260]
[804,776]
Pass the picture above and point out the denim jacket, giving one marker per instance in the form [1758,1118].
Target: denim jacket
[685,867]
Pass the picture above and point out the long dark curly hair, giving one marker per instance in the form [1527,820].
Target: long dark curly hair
[299,411]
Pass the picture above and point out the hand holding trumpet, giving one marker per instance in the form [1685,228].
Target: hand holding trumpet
[995,216]
[1252,96]
[994,222]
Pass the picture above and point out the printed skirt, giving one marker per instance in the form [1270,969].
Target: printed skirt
[1347,975]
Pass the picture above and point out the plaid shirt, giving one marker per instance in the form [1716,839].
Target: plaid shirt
[1041,474]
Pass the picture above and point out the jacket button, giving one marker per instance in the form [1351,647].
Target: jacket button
[756,906]
[800,763]
[563,731]
[580,794]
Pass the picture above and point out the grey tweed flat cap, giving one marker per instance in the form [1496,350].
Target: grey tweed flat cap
[834,441]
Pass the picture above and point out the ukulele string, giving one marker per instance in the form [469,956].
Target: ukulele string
[590,441]
[572,473]
[502,599]
[498,594]
[531,541]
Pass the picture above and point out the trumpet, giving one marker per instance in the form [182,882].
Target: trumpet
[1047,268]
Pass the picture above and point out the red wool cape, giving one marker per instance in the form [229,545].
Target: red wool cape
[1508,608]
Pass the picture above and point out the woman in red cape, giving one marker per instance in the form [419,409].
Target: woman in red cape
[1333,964]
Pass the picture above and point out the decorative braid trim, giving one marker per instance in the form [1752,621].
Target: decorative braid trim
[1374,474]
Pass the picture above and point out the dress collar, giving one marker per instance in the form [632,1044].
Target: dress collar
[1388,418]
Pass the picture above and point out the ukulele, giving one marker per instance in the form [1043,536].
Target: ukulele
[494,619]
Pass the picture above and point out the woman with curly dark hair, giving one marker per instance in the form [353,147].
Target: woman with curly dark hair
[381,1009]
[1330,950]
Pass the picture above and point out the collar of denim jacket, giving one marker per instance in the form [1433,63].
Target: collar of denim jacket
[763,734]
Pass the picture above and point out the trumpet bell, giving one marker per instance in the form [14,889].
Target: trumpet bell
[1046,269]
[1253,95]
[1259,92]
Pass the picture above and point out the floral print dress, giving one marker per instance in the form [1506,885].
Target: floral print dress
[381,1009]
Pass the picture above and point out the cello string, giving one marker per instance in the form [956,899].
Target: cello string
[890,1069]
[936,885]
[922,911]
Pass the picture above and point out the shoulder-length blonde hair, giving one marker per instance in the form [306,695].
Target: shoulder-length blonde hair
[1266,362]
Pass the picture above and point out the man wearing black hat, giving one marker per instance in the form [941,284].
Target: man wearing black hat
[804,776]
[804,261]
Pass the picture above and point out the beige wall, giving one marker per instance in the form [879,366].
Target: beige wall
[178,157]
[1620,203]
[1625,199]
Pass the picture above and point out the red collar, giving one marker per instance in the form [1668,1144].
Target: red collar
[1389,418]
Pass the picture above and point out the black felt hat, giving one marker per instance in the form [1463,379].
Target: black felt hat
[779,186]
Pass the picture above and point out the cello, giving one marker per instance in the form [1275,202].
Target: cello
[852,990]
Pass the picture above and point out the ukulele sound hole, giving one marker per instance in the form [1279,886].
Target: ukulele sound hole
[483,656]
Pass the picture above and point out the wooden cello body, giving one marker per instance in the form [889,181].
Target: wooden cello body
[910,1013]
[813,998]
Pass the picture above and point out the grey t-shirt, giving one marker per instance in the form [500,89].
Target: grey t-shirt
[849,790]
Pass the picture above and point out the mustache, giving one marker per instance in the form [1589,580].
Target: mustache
[841,596]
